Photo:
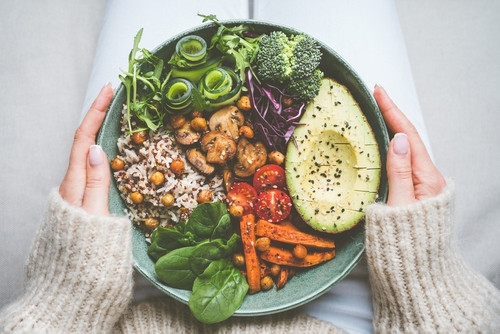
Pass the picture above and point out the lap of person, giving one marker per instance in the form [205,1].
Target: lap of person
[366,34]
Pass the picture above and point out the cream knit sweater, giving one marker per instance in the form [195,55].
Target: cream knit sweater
[79,280]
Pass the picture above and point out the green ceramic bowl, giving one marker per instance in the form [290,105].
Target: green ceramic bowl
[304,286]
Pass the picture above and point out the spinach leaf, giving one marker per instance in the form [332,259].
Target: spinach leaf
[206,253]
[166,239]
[174,268]
[210,221]
[218,292]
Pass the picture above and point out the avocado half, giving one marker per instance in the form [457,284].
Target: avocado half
[333,165]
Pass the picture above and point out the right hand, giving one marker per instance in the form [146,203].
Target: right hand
[411,173]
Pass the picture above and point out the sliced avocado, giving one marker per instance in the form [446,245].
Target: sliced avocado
[332,162]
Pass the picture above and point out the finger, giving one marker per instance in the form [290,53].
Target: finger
[397,122]
[427,179]
[95,196]
[399,172]
[73,184]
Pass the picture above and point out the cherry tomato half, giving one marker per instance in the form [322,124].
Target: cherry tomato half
[269,177]
[273,205]
[244,195]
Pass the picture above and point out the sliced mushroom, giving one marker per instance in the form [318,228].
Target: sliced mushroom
[227,176]
[186,135]
[198,159]
[227,120]
[249,157]
[219,147]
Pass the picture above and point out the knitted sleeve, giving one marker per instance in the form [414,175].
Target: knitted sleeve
[170,316]
[78,274]
[420,283]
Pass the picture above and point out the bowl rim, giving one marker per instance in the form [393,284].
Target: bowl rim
[138,249]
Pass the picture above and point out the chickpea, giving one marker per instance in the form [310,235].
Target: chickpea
[236,211]
[139,137]
[266,283]
[177,121]
[199,124]
[117,164]
[262,244]
[204,196]
[275,270]
[196,113]
[276,157]
[244,103]
[239,260]
[287,101]
[136,197]
[246,131]
[177,166]
[168,200]
[157,178]
[151,223]
[300,252]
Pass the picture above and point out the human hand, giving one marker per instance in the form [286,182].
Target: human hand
[86,183]
[410,171]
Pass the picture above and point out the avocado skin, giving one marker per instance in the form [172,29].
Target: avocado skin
[333,165]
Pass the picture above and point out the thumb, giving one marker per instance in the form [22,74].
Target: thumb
[399,172]
[95,197]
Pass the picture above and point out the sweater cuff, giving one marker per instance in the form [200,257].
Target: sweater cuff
[419,281]
[79,271]
[421,230]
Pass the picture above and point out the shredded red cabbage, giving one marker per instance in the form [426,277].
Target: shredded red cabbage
[271,121]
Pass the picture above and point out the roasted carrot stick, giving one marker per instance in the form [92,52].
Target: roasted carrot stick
[290,235]
[247,227]
[285,257]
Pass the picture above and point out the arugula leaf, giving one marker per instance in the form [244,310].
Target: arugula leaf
[233,42]
[143,85]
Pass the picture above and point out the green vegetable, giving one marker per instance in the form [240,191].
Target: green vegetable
[166,239]
[178,96]
[196,255]
[193,49]
[143,83]
[210,221]
[195,73]
[231,41]
[207,252]
[220,86]
[191,59]
[174,268]
[291,62]
[218,292]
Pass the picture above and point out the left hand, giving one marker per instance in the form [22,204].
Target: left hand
[86,183]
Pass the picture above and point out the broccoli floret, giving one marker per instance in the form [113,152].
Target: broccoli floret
[273,62]
[307,87]
[291,62]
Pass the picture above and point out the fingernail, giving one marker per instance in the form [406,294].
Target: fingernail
[401,144]
[95,155]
